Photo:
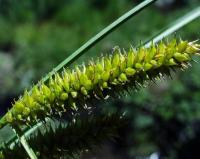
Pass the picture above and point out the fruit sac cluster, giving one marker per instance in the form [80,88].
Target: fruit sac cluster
[69,90]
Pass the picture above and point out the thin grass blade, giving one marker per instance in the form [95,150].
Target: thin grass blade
[178,24]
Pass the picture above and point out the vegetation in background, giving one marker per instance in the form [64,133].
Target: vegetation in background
[37,35]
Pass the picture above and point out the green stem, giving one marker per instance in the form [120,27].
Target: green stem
[28,149]
[102,34]
[28,131]
[181,22]
[22,140]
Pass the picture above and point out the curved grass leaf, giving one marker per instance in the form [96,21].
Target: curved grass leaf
[179,23]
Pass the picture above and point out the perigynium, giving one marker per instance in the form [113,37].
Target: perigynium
[71,90]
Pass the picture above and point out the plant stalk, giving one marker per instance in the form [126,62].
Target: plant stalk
[181,22]
[28,149]
[102,34]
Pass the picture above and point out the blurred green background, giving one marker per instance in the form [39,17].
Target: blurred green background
[36,35]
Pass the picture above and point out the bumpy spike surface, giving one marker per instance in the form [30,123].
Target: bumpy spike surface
[72,89]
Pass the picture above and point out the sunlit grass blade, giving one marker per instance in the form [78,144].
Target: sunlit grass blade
[28,149]
[102,34]
[173,27]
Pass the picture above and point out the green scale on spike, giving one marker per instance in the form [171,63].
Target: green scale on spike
[65,90]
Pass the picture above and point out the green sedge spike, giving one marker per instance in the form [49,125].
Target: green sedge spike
[69,90]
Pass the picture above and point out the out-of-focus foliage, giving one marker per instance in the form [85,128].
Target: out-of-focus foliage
[35,35]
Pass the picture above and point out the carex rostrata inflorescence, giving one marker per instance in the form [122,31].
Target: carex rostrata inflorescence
[70,90]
